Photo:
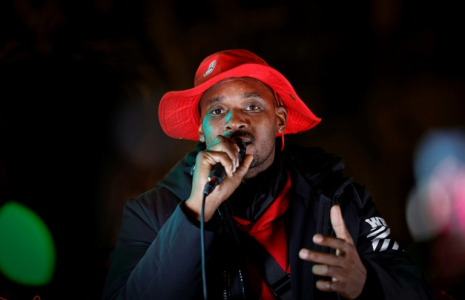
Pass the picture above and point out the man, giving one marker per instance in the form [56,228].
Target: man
[285,223]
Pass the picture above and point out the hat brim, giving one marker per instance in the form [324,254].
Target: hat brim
[179,115]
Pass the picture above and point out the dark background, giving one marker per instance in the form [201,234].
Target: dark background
[81,82]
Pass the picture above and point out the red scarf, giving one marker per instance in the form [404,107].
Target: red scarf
[270,232]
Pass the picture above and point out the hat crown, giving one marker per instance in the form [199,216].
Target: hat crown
[222,61]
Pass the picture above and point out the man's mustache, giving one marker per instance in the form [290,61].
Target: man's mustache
[244,135]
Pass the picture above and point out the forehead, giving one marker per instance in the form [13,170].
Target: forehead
[237,87]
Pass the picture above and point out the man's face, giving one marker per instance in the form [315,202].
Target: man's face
[243,107]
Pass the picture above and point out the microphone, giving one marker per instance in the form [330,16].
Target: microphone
[217,173]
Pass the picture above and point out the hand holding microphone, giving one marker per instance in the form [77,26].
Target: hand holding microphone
[219,171]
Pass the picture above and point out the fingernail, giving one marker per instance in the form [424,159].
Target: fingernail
[317,238]
[320,269]
[322,285]
[303,253]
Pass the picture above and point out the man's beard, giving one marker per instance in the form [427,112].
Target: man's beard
[256,162]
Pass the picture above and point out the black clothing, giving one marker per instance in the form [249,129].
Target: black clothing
[251,199]
[157,255]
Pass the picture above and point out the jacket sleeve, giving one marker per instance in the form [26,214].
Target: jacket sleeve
[391,274]
[158,251]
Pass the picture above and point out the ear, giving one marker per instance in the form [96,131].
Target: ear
[200,133]
[281,118]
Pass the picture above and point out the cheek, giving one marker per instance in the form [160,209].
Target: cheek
[269,126]
[266,135]
[209,131]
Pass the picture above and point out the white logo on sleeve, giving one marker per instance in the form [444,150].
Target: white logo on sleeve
[379,234]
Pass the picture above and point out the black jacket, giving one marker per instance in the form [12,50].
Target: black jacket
[157,255]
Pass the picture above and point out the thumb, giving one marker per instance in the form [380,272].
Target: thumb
[240,172]
[338,224]
[244,166]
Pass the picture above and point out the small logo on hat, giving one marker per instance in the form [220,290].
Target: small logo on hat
[210,68]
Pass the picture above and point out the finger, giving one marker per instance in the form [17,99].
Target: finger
[331,286]
[229,154]
[342,288]
[319,257]
[337,243]
[324,285]
[211,158]
[338,224]
[243,168]
[336,273]
[226,145]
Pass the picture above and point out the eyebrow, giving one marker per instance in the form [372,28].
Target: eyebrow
[245,95]
[214,99]
[252,95]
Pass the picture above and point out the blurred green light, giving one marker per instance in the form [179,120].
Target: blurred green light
[27,250]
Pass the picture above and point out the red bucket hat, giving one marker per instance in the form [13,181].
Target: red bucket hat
[178,111]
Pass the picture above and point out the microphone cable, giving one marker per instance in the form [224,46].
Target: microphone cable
[202,247]
[216,177]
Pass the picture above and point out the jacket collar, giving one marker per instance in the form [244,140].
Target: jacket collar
[179,179]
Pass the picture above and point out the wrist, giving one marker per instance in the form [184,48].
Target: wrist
[194,205]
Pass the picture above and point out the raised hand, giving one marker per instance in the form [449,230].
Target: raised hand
[345,267]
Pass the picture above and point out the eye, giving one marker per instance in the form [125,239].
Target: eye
[252,107]
[216,111]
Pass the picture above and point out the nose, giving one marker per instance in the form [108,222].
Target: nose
[235,120]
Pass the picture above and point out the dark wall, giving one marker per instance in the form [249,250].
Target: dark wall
[81,82]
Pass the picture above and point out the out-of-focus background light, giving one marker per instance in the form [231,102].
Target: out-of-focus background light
[435,207]
[27,251]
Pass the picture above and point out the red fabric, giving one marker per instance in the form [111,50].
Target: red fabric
[270,232]
[178,112]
